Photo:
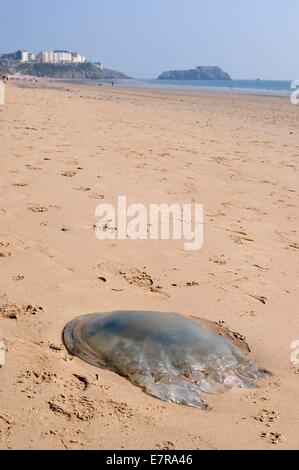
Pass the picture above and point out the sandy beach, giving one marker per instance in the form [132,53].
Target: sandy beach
[67,148]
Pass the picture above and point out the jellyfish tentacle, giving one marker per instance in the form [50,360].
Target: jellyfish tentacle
[177,390]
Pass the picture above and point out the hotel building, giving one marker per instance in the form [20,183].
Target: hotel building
[55,57]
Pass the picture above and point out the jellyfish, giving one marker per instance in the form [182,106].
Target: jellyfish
[171,357]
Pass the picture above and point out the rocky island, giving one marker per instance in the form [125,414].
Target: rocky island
[81,71]
[199,73]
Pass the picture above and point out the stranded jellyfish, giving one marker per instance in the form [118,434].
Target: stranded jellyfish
[170,357]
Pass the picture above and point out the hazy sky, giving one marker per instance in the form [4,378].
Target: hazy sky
[248,39]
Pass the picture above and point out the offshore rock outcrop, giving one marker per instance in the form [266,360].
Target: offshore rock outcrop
[199,73]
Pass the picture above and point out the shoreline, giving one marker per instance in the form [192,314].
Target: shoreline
[152,85]
[163,93]
[159,85]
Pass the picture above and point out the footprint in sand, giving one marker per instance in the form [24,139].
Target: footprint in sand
[20,185]
[220,260]
[96,196]
[18,277]
[4,250]
[83,189]
[273,437]
[68,173]
[34,168]
[36,208]
[166,445]
[186,284]
[68,408]
[137,278]
[192,284]
[6,423]
[267,417]
[56,347]
[65,229]
[37,377]
[120,411]
[15,311]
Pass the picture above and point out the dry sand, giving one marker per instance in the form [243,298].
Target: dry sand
[65,150]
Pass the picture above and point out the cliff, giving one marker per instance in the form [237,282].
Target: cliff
[200,73]
[65,71]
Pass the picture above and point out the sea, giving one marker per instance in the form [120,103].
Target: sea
[250,87]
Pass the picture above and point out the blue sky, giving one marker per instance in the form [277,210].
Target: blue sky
[248,39]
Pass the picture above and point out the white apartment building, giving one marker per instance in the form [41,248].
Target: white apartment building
[24,56]
[77,58]
[63,56]
[46,57]
[55,57]
[43,56]
[51,57]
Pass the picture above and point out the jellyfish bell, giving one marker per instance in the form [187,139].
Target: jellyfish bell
[170,357]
